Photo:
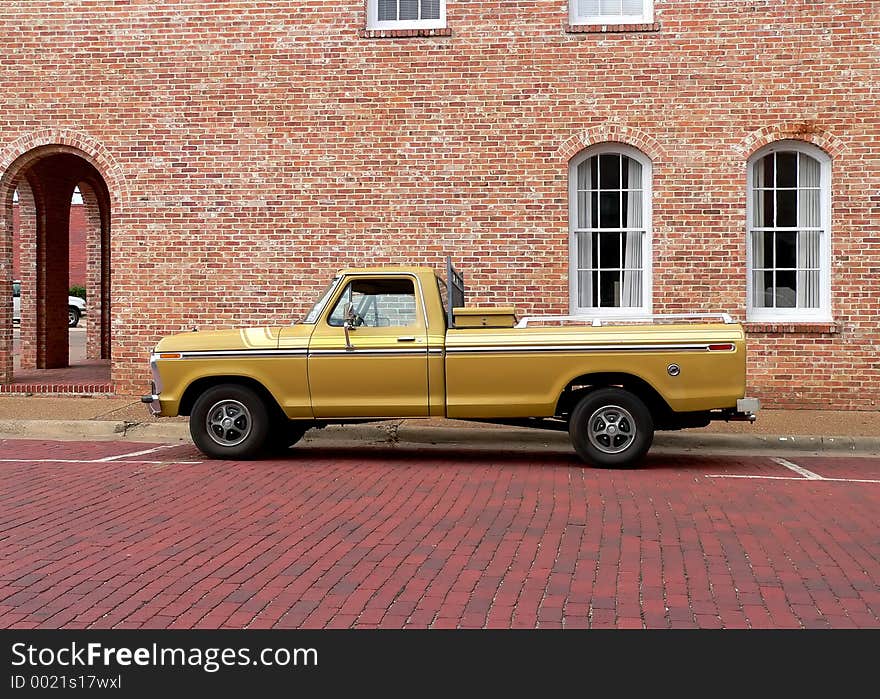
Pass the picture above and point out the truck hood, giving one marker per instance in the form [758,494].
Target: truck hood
[232,339]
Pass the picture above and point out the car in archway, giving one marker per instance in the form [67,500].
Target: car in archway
[76,307]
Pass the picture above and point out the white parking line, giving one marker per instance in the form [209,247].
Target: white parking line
[136,453]
[89,461]
[804,475]
[792,478]
[799,469]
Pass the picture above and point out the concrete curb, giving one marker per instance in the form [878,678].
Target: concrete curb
[402,433]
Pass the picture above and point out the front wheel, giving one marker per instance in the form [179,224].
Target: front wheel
[72,316]
[229,422]
[611,428]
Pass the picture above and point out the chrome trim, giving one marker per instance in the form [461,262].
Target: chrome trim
[208,354]
[501,349]
[599,321]
[154,370]
[372,352]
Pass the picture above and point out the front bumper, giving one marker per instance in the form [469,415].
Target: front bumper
[152,400]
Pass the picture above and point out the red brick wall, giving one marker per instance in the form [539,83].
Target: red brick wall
[77,244]
[253,147]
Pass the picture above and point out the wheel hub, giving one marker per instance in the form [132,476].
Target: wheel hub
[611,429]
[228,422]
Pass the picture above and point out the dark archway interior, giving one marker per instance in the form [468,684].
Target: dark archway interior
[45,180]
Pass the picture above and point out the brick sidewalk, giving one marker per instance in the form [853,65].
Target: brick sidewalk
[375,537]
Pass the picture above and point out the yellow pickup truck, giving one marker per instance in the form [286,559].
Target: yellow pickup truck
[400,342]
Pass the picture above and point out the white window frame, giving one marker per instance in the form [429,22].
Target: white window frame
[796,315]
[647,247]
[374,23]
[646,17]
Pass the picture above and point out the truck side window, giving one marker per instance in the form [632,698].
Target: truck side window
[378,303]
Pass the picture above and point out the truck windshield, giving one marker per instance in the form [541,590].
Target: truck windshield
[312,315]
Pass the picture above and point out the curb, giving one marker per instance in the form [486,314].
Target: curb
[400,433]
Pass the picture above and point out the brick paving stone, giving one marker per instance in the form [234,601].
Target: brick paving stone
[326,539]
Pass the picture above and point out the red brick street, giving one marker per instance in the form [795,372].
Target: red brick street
[122,535]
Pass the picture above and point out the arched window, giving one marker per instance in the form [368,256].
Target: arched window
[610,224]
[789,221]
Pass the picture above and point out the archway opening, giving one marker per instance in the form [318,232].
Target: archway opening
[55,227]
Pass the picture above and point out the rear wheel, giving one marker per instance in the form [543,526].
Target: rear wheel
[72,316]
[611,428]
[229,422]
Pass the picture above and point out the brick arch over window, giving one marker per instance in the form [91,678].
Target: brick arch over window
[611,133]
[790,131]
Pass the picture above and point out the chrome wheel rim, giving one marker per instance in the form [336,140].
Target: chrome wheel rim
[229,423]
[71,317]
[611,429]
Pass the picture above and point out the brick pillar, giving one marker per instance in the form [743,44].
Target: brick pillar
[94,273]
[29,229]
[6,277]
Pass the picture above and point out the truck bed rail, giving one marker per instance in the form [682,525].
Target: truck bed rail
[599,321]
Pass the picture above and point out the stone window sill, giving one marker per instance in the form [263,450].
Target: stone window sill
[402,33]
[611,28]
[777,327]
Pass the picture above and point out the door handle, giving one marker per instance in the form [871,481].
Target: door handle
[407,338]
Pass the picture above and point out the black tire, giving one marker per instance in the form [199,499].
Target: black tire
[73,316]
[229,422]
[611,428]
[284,434]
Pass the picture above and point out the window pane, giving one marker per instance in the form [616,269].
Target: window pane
[387,10]
[609,209]
[769,170]
[808,289]
[609,171]
[609,289]
[584,175]
[583,212]
[758,208]
[786,169]
[594,250]
[609,250]
[633,7]
[409,9]
[809,212]
[809,251]
[632,210]
[762,289]
[631,289]
[584,298]
[430,9]
[785,290]
[758,171]
[632,174]
[786,250]
[810,175]
[786,208]
[588,8]
[583,250]
[632,250]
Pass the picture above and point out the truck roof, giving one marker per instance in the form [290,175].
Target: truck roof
[388,270]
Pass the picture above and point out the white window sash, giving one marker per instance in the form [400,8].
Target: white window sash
[807,258]
[644,305]
[374,23]
[646,16]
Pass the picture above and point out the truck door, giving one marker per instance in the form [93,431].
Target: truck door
[381,368]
